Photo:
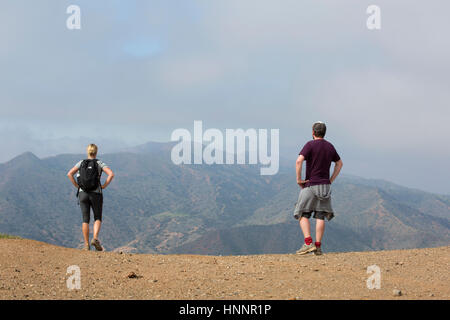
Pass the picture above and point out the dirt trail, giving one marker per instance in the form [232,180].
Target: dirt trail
[35,270]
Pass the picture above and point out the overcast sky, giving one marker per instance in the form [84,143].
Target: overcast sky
[146,68]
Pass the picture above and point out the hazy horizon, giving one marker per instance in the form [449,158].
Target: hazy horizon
[283,164]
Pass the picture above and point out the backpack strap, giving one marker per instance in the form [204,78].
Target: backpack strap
[99,175]
[78,195]
[78,190]
[99,180]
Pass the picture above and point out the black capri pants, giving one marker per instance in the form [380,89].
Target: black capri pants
[90,200]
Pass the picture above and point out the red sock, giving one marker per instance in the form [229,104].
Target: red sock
[308,241]
[317,244]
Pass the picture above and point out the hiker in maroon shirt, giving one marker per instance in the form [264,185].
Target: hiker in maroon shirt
[315,193]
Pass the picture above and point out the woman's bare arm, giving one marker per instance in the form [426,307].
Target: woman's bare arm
[110,174]
[70,174]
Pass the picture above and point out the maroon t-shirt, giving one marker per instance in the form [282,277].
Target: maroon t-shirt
[318,154]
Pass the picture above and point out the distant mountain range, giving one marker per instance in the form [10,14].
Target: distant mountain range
[154,206]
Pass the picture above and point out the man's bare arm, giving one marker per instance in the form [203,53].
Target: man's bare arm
[298,168]
[337,168]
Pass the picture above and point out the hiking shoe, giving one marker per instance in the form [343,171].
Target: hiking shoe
[96,244]
[306,249]
[87,247]
[318,251]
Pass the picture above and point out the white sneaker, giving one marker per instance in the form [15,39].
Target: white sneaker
[306,248]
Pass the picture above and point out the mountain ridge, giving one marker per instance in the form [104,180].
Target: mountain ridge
[155,206]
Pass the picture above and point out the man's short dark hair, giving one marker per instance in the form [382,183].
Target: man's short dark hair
[319,129]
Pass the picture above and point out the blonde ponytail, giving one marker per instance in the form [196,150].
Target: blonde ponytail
[92,150]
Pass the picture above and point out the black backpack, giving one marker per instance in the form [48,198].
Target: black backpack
[89,178]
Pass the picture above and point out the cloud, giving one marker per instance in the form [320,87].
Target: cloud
[147,68]
[190,73]
[380,107]
[142,47]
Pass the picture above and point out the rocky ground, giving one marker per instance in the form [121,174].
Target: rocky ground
[36,270]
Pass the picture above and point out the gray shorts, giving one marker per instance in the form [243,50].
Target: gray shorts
[314,198]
